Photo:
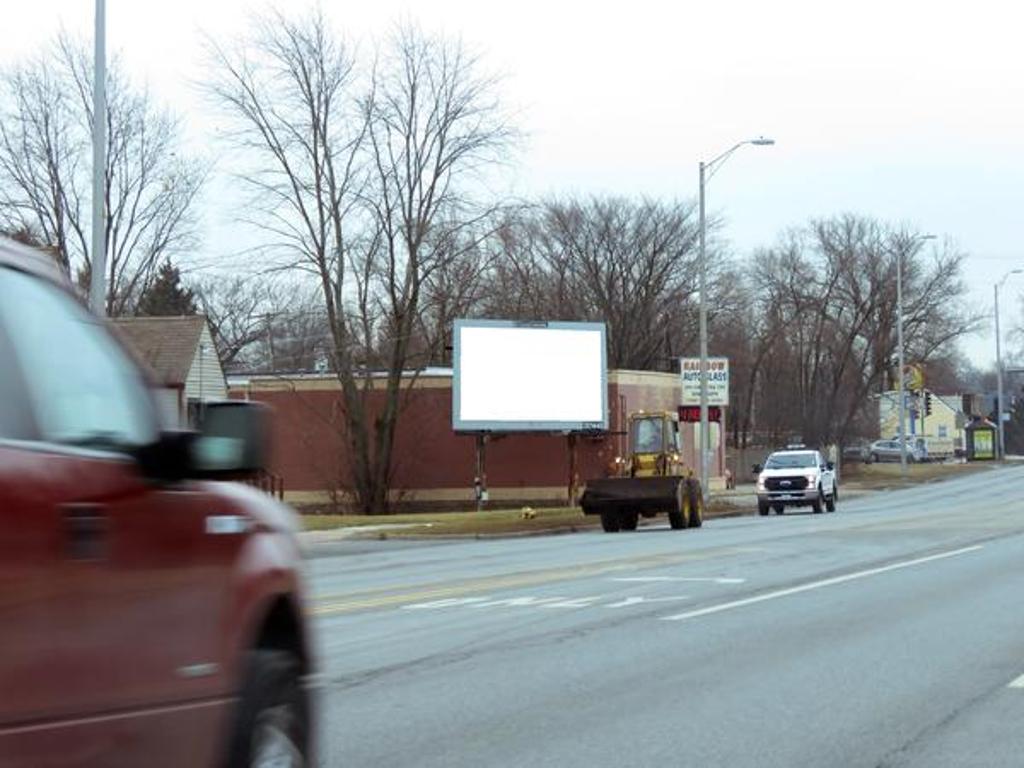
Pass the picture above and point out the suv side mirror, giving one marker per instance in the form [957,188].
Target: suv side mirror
[233,439]
[756,468]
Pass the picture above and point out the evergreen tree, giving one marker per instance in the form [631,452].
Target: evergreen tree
[166,295]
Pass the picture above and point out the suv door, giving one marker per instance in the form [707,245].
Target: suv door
[119,594]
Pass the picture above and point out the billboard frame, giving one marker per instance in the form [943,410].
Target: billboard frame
[464,426]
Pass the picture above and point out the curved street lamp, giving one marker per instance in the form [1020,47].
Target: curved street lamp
[707,170]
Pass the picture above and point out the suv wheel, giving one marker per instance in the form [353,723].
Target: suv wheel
[272,727]
[873,458]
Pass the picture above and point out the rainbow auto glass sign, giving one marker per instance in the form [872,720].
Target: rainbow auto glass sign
[718,380]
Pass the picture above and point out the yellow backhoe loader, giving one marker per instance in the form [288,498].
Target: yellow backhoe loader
[650,480]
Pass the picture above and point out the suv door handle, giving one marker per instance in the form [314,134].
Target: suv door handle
[85,532]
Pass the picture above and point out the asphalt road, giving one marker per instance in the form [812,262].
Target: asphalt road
[890,633]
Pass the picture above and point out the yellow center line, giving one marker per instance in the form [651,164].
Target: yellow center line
[347,603]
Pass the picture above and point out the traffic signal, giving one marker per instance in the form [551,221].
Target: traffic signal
[927,403]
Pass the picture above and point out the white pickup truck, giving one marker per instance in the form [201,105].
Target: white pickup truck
[796,477]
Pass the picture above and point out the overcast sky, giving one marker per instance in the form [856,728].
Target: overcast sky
[909,111]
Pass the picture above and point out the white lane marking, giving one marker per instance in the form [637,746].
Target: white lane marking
[576,602]
[638,600]
[448,602]
[653,579]
[1018,683]
[526,601]
[817,585]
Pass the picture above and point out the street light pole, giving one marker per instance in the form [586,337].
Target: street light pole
[97,278]
[706,171]
[899,349]
[902,400]
[1001,449]
[705,427]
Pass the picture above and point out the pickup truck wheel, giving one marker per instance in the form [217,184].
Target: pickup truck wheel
[779,509]
[696,500]
[272,724]
[830,500]
[762,509]
[628,520]
[610,521]
[818,503]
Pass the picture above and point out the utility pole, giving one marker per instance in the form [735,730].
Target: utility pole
[97,277]
[1001,448]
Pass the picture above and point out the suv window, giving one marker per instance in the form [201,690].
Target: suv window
[790,461]
[15,408]
[83,388]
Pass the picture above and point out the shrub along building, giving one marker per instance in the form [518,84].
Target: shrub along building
[434,466]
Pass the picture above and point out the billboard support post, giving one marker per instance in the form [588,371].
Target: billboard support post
[480,480]
[573,472]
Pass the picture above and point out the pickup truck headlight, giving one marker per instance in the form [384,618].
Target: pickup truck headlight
[812,479]
[760,483]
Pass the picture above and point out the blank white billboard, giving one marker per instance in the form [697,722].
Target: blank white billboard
[529,377]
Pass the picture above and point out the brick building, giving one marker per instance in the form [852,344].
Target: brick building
[432,463]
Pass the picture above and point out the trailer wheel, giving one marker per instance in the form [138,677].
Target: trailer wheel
[628,520]
[679,517]
[610,520]
[696,500]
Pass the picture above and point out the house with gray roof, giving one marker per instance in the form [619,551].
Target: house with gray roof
[182,360]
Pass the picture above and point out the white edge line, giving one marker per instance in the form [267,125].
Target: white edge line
[1017,683]
[816,585]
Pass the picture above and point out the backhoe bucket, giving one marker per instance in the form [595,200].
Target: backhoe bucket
[639,494]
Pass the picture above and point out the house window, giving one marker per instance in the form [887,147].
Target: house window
[943,430]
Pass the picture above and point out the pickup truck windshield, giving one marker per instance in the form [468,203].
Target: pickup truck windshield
[789,461]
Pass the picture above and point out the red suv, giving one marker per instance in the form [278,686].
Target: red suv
[150,615]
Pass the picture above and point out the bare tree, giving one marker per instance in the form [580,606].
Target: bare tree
[362,187]
[433,122]
[260,323]
[631,264]
[45,170]
[826,336]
